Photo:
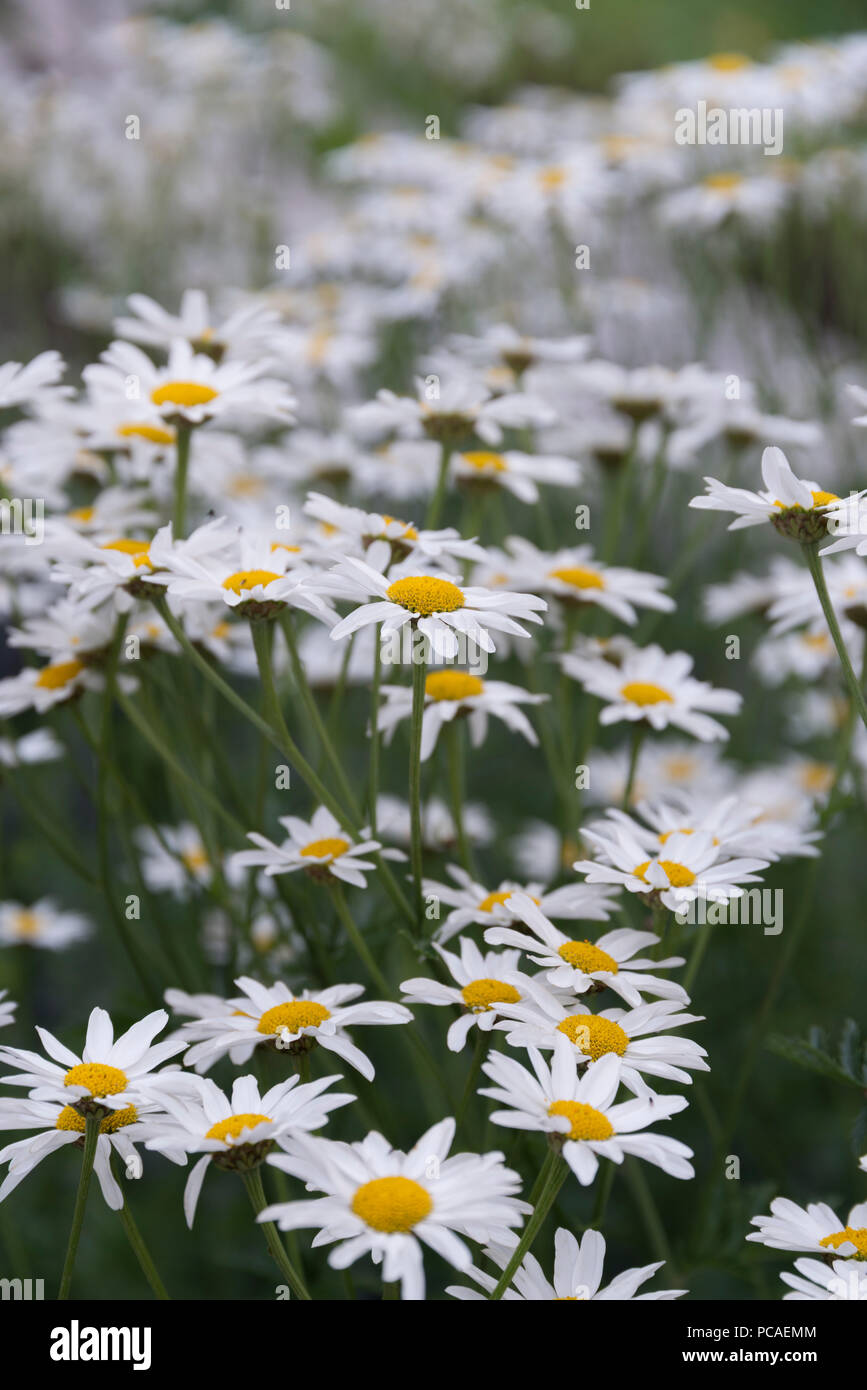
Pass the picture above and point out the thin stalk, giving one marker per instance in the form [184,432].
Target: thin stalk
[279,736]
[438,498]
[142,1254]
[638,733]
[91,1136]
[182,463]
[555,1170]
[418,690]
[814,564]
[256,1193]
[375,740]
[456,790]
[315,717]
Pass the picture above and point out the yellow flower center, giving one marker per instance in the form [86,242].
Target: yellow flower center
[59,674]
[26,923]
[195,859]
[479,995]
[408,532]
[70,1119]
[645,693]
[579,577]
[728,62]
[485,462]
[551,178]
[248,579]
[723,183]
[823,499]
[295,1015]
[493,899]
[452,685]
[152,433]
[325,849]
[183,393]
[853,1235]
[83,514]
[586,1122]
[137,550]
[816,777]
[587,957]
[678,875]
[231,1127]
[425,595]
[392,1204]
[594,1036]
[97,1078]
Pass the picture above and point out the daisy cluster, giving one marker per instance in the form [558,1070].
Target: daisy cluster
[360,609]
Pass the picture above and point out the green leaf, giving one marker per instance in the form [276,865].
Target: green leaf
[803,1054]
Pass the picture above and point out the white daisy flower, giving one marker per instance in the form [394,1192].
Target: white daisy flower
[578,1108]
[250,572]
[540,1018]
[574,576]
[42,924]
[686,867]
[40,688]
[583,965]
[365,529]
[515,472]
[459,408]
[109,1075]
[815,1228]
[755,200]
[472,903]
[319,846]
[655,686]
[438,831]
[383,1202]
[842,1281]
[191,388]
[484,980]
[61,1125]
[39,746]
[736,826]
[504,345]
[278,1017]
[173,858]
[236,1133]
[785,497]
[577,1275]
[7,1009]
[252,330]
[451,694]
[436,605]
[33,384]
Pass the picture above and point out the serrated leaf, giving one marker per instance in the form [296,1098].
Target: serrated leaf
[800,1052]
[859,1133]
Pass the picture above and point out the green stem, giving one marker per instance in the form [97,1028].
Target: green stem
[142,1254]
[361,947]
[456,790]
[315,717]
[436,502]
[814,564]
[375,740]
[603,1192]
[638,733]
[179,515]
[418,691]
[91,1136]
[256,1193]
[555,1170]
